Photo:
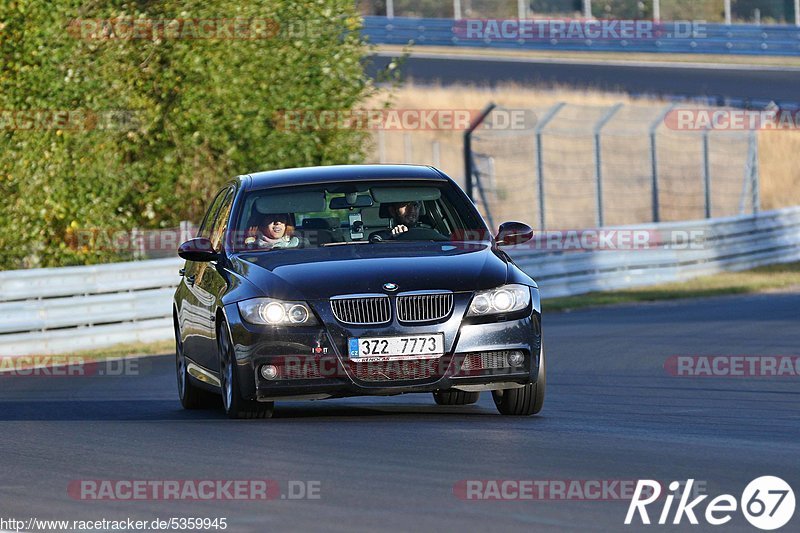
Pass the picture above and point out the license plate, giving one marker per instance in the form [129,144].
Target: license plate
[370,349]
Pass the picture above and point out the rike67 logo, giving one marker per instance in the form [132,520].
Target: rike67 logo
[767,503]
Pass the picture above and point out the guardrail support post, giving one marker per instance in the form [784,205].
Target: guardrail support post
[755,173]
[539,156]
[598,160]
[706,174]
[654,160]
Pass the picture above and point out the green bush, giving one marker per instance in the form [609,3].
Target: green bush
[198,112]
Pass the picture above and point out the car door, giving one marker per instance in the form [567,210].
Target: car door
[210,285]
[191,314]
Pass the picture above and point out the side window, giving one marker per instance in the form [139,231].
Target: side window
[221,221]
[208,220]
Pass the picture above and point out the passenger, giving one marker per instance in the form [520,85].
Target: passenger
[276,232]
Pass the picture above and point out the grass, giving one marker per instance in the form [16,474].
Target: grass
[763,279]
[621,57]
[139,349]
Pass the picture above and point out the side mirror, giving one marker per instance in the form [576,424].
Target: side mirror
[198,249]
[512,233]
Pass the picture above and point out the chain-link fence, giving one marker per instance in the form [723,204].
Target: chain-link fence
[581,166]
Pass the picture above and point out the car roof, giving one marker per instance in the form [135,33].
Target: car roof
[339,174]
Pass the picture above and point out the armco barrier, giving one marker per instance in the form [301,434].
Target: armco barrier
[58,310]
[739,39]
[721,244]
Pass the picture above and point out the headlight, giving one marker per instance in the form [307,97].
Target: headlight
[505,299]
[276,312]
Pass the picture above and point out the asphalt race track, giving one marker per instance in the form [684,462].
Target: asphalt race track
[743,83]
[612,413]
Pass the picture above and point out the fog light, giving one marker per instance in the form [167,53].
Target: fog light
[269,371]
[515,358]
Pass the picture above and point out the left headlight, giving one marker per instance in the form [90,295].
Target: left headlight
[276,312]
[499,301]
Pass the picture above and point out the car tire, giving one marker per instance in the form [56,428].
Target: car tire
[235,406]
[190,395]
[455,397]
[524,401]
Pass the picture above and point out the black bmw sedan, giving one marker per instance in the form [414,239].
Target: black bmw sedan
[338,281]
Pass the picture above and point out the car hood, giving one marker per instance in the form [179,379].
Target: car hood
[319,273]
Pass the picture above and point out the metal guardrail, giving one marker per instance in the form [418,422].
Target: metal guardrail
[59,310]
[687,250]
[739,39]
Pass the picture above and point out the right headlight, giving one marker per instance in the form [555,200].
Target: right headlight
[499,301]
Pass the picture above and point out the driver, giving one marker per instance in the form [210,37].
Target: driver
[405,215]
[405,224]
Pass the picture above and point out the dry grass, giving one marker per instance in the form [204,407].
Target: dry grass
[779,153]
[569,156]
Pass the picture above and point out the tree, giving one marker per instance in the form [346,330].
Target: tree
[161,121]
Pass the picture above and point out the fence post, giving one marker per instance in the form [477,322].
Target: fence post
[657,10]
[437,154]
[468,147]
[551,113]
[598,160]
[389,9]
[457,9]
[654,160]
[587,9]
[706,173]
[727,12]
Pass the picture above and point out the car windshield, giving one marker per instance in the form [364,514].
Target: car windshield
[354,213]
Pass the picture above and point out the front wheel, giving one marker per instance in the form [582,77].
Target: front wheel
[235,405]
[524,401]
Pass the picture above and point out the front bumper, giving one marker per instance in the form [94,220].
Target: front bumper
[313,361]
